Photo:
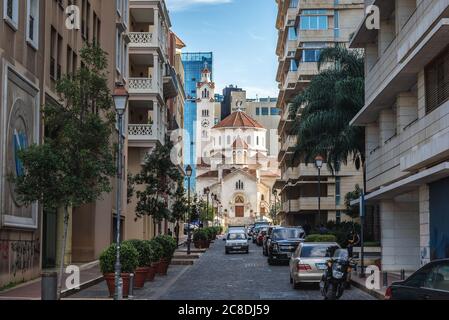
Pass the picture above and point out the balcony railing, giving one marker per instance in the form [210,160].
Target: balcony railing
[140,85]
[142,132]
[141,39]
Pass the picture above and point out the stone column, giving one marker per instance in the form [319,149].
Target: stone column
[406,109]
[424,221]
[387,125]
[404,9]
[387,33]
[399,235]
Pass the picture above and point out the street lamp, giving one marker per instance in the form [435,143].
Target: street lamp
[189,234]
[206,192]
[319,164]
[120,97]
[275,193]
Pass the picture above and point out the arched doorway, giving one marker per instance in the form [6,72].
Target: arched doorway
[239,206]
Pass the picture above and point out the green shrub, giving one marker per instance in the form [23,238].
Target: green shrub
[200,234]
[143,250]
[168,245]
[129,258]
[320,238]
[156,250]
[211,233]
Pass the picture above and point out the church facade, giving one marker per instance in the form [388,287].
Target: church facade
[232,161]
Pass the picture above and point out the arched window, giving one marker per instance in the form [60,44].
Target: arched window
[239,185]
[262,197]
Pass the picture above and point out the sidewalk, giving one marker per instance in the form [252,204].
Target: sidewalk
[379,294]
[89,273]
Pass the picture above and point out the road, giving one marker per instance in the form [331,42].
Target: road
[242,277]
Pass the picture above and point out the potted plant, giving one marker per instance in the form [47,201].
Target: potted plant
[129,259]
[155,257]
[200,238]
[168,248]
[144,260]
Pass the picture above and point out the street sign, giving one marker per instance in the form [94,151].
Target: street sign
[362,205]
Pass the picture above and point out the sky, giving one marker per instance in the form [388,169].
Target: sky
[240,33]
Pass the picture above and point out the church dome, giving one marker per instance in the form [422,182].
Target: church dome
[239,119]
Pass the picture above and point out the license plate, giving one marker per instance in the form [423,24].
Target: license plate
[237,248]
[321,266]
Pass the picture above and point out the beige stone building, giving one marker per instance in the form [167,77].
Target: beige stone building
[305,27]
[406,116]
[155,109]
[36,49]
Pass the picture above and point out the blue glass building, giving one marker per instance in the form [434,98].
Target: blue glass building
[194,63]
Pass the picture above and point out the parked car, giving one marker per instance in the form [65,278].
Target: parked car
[260,235]
[283,243]
[267,239]
[431,282]
[255,233]
[236,241]
[309,261]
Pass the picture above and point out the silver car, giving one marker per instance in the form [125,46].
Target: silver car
[308,262]
[236,241]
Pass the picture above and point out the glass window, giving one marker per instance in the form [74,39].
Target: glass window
[293,3]
[288,233]
[275,111]
[292,33]
[11,12]
[314,20]
[311,55]
[236,236]
[265,111]
[293,65]
[257,111]
[318,251]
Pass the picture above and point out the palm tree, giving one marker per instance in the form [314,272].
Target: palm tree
[325,108]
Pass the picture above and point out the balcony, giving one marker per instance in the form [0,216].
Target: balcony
[170,82]
[141,86]
[141,40]
[311,204]
[141,135]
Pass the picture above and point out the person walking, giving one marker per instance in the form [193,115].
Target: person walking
[353,240]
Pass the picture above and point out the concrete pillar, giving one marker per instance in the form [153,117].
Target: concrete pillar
[387,125]
[371,56]
[421,94]
[424,221]
[404,9]
[399,235]
[406,109]
[387,33]
[372,137]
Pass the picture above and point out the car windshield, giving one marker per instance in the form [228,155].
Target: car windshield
[236,236]
[290,233]
[318,251]
[341,254]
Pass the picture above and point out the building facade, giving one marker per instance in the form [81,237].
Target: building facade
[155,102]
[194,63]
[406,116]
[304,29]
[36,49]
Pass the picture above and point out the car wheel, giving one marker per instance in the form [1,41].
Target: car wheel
[295,285]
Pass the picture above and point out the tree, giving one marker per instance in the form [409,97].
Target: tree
[179,207]
[157,176]
[75,163]
[326,108]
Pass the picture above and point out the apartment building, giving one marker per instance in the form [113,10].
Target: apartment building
[153,84]
[305,27]
[36,50]
[406,118]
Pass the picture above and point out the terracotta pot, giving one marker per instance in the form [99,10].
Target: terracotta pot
[151,273]
[198,244]
[206,244]
[139,277]
[163,267]
[110,281]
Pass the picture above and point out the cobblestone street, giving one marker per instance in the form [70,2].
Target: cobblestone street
[242,277]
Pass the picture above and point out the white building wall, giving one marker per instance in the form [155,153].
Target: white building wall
[400,235]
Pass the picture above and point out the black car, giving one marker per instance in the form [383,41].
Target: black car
[284,242]
[267,239]
[431,282]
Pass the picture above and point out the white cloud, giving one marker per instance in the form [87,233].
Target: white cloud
[179,5]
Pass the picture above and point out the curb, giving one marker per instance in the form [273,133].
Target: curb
[68,292]
[373,293]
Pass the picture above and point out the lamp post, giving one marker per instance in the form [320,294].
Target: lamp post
[319,164]
[206,192]
[275,193]
[120,98]
[189,233]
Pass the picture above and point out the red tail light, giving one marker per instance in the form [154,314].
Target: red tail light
[304,267]
[388,293]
